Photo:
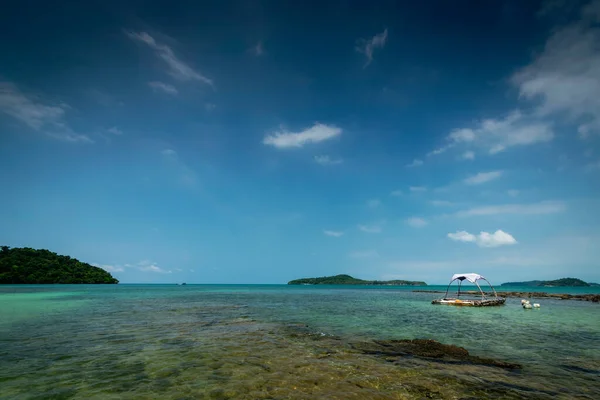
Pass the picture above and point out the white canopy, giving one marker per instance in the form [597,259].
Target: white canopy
[471,277]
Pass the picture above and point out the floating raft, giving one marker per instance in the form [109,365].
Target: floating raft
[470,303]
[457,301]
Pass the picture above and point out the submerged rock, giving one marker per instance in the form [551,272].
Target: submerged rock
[427,349]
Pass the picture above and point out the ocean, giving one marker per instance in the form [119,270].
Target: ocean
[286,342]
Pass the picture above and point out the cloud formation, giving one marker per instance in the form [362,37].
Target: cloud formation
[317,133]
[367,46]
[468,155]
[148,266]
[177,68]
[163,87]
[48,119]
[373,203]
[565,77]
[258,50]
[370,228]
[109,268]
[333,233]
[497,135]
[545,207]
[185,175]
[415,163]
[483,177]
[416,222]
[484,239]
[326,160]
[440,203]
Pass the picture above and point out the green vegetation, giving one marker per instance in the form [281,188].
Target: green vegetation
[557,282]
[26,265]
[348,280]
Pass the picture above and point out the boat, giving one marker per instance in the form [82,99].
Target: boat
[468,299]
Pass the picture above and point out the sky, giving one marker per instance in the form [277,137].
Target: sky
[264,141]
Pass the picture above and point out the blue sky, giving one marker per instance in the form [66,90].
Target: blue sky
[258,142]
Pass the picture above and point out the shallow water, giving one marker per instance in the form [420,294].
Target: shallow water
[278,341]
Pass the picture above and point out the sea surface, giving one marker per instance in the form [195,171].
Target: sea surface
[279,342]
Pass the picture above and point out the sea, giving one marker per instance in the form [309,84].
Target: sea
[131,341]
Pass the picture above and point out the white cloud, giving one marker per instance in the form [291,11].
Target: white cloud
[45,118]
[177,68]
[416,222]
[163,87]
[370,228]
[364,254]
[485,239]
[373,203]
[367,46]
[440,150]
[562,81]
[185,175]
[462,236]
[497,135]
[483,177]
[109,268]
[545,207]
[396,193]
[149,266]
[593,166]
[418,189]
[115,131]
[317,133]
[333,233]
[169,153]
[462,135]
[468,155]
[565,77]
[154,268]
[441,203]
[326,160]
[513,192]
[415,163]
[258,50]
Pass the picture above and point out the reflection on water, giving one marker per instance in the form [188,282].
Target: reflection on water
[255,342]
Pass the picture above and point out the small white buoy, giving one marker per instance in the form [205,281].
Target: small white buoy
[523,301]
[536,305]
[527,306]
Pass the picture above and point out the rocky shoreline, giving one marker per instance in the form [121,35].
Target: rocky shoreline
[594,298]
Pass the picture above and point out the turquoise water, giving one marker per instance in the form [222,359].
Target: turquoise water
[234,341]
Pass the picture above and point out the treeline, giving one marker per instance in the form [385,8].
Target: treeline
[349,280]
[31,266]
[556,282]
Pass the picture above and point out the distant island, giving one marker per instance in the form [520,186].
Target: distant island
[348,280]
[554,283]
[31,266]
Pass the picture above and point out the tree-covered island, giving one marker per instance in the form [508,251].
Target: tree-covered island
[31,266]
[348,280]
[555,283]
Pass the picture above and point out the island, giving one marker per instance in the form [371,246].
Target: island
[571,282]
[349,280]
[30,266]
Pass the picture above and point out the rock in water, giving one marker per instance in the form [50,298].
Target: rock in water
[427,349]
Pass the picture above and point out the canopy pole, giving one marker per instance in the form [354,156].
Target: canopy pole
[459,284]
[494,290]
[482,294]
[448,288]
